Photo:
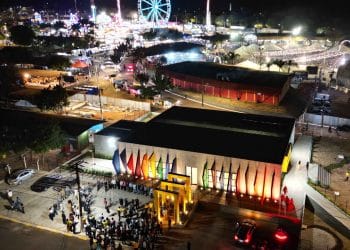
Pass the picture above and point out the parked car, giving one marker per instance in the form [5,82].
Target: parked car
[21,175]
[345,128]
[52,180]
[245,231]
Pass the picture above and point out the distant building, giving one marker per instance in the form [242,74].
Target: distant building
[229,81]
[229,151]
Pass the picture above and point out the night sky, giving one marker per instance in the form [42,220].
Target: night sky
[219,5]
[324,12]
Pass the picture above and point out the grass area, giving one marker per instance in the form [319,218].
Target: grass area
[340,164]
[329,195]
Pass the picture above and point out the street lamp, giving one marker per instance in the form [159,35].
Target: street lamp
[297,30]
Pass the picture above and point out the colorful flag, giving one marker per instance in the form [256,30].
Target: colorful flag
[160,168]
[144,166]
[138,165]
[116,162]
[221,178]
[205,176]
[263,193]
[246,175]
[167,166]
[174,166]
[152,164]
[123,160]
[229,183]
[213,174]
[272,181]
[131,164]
[238,178]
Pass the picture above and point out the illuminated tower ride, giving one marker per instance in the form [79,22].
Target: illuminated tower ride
[119,11]
[208,16]
[93,10]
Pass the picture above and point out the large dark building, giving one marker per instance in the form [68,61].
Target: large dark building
[234,152]
[229,81]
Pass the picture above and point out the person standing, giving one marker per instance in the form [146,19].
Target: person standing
[169,223]
[9,195]
[347,174]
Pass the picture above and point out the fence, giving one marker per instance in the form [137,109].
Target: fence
[327,120]
[319,175]
[122,103]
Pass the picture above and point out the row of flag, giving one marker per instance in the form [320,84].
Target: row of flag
[145,167]
[245,188]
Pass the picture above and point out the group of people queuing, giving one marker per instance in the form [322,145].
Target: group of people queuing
[126,185]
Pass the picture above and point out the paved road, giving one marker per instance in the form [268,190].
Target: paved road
[17,236]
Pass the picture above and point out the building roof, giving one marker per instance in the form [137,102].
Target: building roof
[121,129]
[244,136]
[73,126]
[213,72]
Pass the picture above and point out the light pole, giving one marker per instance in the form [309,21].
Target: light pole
[76,166]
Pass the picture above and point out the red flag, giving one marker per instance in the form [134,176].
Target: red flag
[138,165]
[263,194]
[131,164]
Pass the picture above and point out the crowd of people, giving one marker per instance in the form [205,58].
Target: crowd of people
[129,223]
[135,225]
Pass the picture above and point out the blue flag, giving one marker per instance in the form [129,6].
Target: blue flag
[116,162]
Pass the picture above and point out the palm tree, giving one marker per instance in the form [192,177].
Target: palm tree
[290,63]
[280,63]
[161,82]
[268,65]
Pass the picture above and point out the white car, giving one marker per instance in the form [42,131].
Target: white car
[21,175]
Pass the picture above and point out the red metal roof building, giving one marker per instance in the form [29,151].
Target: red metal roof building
[229,81]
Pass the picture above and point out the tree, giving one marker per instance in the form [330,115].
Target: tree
[147,92]
[54,99]
[22,35]
[161,82]
[58,62]
[279,63]
[142,78]
[290,63]
[9,77]
[231,57]
[47,136]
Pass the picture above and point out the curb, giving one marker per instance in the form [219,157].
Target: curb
[81,237]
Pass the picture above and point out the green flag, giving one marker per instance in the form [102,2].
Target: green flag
[160,169]
[205,176]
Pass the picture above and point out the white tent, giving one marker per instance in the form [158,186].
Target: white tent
[24,104]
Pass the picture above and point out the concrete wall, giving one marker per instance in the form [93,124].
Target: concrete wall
[327,120]
[105,145]
[122,103]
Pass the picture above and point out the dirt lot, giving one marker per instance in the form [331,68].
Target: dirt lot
[325,152]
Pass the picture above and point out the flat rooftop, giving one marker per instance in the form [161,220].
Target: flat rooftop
[73,126]
[121,129]
[210,71]
[230,134]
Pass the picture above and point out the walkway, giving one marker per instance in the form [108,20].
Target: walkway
[298,189]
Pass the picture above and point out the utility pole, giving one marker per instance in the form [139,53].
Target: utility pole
[99,97]
[76,166]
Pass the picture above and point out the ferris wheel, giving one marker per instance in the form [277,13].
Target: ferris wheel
[155,11]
